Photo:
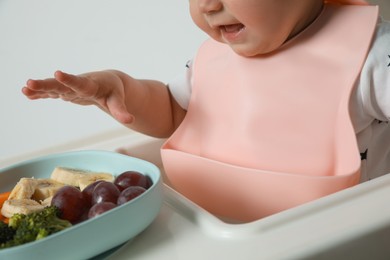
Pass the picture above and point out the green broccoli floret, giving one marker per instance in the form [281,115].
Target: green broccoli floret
[15,221]
[35,226]
[6,233]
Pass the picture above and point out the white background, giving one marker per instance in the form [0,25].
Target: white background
[147,39]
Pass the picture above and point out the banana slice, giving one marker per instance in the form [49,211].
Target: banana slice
[22,206]
[45,188]
[46,202]
[24,189]
[91,178]
[68,176]
[79,178]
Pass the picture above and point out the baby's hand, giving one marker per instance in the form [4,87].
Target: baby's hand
[104,89]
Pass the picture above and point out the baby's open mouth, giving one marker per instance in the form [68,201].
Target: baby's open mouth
[232,28]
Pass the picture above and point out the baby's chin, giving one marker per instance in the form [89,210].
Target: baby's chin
[253,51]
[247,49]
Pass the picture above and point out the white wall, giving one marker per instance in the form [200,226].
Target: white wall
[385,7]
[148,38]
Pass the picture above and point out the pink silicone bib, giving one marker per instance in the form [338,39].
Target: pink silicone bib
[269,133]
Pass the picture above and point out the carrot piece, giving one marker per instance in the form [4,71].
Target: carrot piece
[4,219]
[3,197]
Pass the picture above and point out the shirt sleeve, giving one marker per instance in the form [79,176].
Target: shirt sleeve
[181,86]
[375,77]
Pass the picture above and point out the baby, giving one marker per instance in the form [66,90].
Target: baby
[286,102]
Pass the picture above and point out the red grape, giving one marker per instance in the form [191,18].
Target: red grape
[129,194]
[132,178]
[100,208]
[100,196]
[105,192]
[71,203]
[87,191]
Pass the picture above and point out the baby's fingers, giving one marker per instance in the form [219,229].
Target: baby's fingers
[48,88]
[33,94]
[82,85]
[78,84]
[46,85]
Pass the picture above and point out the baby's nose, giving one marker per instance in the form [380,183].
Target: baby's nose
[209,6]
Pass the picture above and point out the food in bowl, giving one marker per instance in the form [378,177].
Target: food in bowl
[111,228]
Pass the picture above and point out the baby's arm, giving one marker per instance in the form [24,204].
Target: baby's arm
[143,105]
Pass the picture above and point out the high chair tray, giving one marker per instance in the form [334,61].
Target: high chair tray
[351,224]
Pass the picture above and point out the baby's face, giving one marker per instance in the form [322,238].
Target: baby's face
[254,27]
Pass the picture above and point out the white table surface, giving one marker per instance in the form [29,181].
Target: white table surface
[351,224]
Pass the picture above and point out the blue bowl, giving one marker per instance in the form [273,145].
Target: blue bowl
[97,235]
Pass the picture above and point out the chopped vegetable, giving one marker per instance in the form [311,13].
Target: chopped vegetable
[4,219]
[6,233]
[3,197]
[35,226]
